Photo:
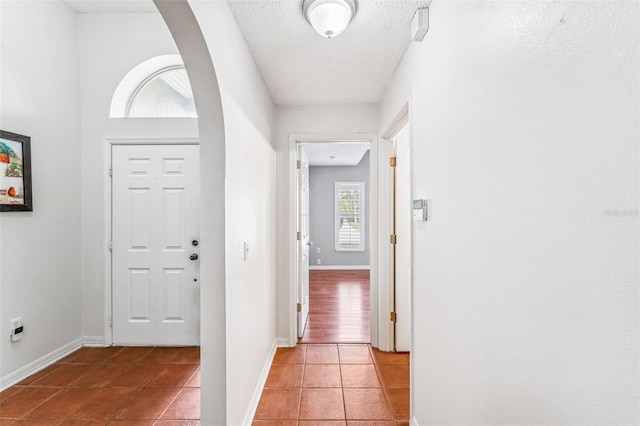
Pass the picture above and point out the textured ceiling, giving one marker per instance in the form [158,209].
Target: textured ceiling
[344,154]
[301,67]
[112,6]
[298,65]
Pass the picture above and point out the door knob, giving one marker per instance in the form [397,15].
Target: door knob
[194,256]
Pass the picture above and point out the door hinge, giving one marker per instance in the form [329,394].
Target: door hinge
[393,317]
[298,235]
[392,238]
[110,171]
[299,307]
[110,246]
[111,321]
[298,164]
[392,161]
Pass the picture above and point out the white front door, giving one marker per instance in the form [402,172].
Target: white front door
[303,243]
[155,232]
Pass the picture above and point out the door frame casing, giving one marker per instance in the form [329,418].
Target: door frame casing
[108,214]
[404,117]
[401,120]
[294,140]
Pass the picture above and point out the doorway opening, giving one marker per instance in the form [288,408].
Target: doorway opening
[333,199]
[335,259]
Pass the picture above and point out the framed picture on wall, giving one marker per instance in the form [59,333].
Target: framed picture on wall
[15,172]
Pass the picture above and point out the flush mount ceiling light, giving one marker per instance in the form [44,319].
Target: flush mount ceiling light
[329,17]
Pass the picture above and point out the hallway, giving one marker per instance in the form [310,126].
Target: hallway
[335,385]
[524,134]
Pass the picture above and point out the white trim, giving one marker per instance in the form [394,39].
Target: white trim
[39,364]
[340,267]
[257,393]
[282,342]
[414,422]
[399,121]
[154,141]
[294,140]
[93,341]
[107,188]
[385,289]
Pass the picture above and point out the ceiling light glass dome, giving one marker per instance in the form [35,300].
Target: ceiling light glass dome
[329,17]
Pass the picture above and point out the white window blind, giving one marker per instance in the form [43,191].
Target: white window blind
[350,219]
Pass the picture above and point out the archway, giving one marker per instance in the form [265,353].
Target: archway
[187,35]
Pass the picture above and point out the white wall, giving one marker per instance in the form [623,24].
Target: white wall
[290,119]
[525,141]
[40,264]
[250,216]
[111,45]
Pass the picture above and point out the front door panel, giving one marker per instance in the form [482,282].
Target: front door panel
[156,293]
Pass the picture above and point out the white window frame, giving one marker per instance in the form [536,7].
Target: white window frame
[135,78]
[350,185]
[144,83]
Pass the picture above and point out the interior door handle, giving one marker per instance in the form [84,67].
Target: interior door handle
[194,256]
[310,243]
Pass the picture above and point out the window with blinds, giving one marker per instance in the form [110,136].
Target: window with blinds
[350,219]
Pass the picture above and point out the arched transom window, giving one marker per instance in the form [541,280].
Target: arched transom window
[167,93]
[158,87]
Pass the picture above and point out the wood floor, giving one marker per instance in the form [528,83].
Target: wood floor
[339,306]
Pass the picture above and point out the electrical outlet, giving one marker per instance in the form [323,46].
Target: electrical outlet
[17,330]
[319,262]
[318,250]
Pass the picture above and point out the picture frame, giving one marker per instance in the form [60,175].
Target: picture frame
[15,172]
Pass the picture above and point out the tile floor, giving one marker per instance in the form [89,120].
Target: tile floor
[329,385]
[110,386]
[335,385]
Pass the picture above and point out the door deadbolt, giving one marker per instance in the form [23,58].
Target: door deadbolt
[194,256]
[194,243]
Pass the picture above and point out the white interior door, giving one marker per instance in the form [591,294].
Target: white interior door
[303,242]
[155,232]
[403,220]
[386,292]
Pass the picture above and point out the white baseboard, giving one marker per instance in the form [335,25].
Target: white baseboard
[414,422]
[93,341]
[257,393]
[282,342]
[339,267]
[39,364]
